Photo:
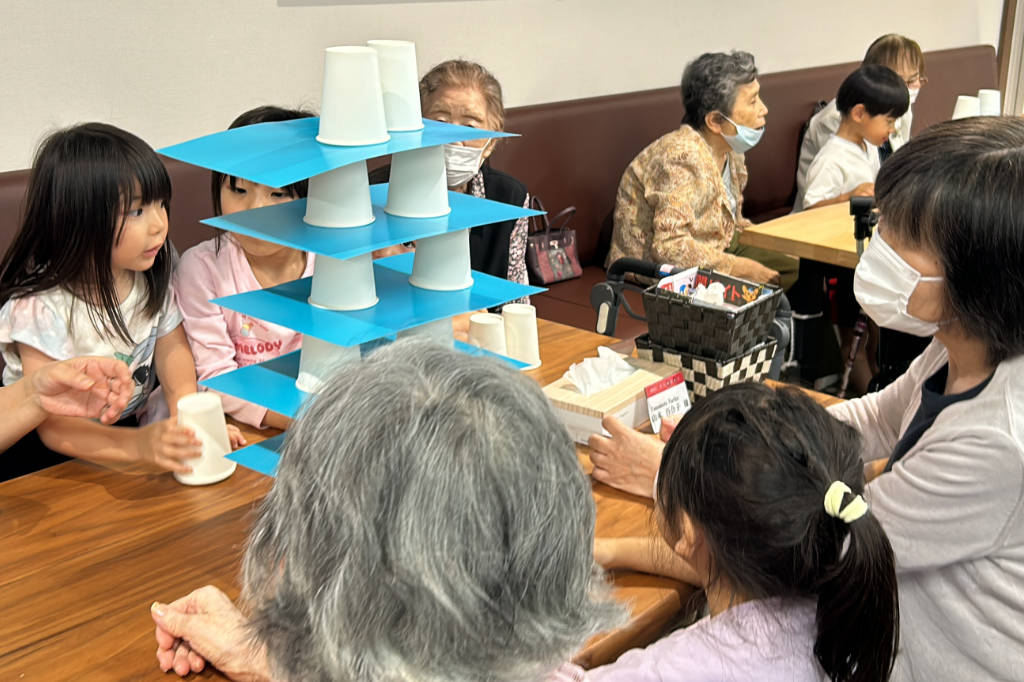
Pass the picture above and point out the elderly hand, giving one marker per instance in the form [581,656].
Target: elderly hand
[628,460]
[206,627]
[83,387]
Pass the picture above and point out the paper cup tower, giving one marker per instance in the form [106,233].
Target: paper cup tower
[204,414]
[399,81]
[352,108]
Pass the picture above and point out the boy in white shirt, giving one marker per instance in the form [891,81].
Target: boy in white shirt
[869,101]
[899,53]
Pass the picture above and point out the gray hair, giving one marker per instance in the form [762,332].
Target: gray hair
[429,521]
[710,83]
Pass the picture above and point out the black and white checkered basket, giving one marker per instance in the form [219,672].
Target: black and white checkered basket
[704,375]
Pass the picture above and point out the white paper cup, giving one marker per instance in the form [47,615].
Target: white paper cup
[400,83]
[318,359]
[441,263]
[438,331]
[989,103]
[344,284]
[418,187]
[352,107]
[521,333]
[204,414]
[966,106]
[340,198]
[487,331]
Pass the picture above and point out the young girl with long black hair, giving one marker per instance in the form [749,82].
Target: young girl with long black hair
[89,274]
[759,495]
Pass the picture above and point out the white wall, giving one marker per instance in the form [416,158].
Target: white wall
[169,70]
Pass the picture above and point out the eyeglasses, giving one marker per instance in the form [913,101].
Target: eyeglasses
[916,80]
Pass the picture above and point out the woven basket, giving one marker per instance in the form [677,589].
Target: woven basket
[704,375]
[675,321]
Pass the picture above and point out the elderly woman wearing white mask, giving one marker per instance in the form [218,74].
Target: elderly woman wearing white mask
[944,443]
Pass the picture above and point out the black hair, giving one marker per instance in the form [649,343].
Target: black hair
[263,114]
[956,189]
[878,88]
[710,83]
[750,466]
[81,186]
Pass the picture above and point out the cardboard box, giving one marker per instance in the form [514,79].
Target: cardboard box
[625,400]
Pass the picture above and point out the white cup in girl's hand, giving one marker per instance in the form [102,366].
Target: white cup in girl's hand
[204,414]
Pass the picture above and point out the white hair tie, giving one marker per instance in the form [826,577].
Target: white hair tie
[856,508]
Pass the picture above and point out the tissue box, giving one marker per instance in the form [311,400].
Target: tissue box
[625,400]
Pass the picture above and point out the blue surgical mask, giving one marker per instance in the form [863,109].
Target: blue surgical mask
[745,137]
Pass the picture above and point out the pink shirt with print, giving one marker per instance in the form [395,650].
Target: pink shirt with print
[221,339]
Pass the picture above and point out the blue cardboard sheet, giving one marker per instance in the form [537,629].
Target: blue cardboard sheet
[272,383]
[261,457]
[282,224]
[401,306]
[278,154]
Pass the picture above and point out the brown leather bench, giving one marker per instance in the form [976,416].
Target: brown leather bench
[574,152]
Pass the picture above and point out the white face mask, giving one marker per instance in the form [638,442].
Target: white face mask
[913,94]
[462,162]
[883,284]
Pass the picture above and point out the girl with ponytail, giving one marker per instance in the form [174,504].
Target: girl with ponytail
[759,499]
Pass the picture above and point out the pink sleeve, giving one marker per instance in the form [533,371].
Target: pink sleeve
[199,278]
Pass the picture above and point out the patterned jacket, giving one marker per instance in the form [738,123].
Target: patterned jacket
[673,207]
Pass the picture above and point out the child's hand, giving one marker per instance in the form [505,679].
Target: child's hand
[169,446]
[235,437]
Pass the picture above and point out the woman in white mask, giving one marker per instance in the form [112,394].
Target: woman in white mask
[465,93]
[944,443]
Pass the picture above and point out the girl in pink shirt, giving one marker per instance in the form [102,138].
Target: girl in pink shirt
[759,496]
[221,339]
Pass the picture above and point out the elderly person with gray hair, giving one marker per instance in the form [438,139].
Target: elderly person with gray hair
[429,521]
[680,201]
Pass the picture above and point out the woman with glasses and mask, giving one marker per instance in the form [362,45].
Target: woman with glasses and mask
[680,201]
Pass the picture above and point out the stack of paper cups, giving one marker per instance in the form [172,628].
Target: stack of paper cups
[400,83]
[352,108]
[340,198]
[521,333]
[344,284]
[204,414]
[318,359]
[966,106]
[441,263]
[418,187]
[438,331]
[487,331]
[989,103]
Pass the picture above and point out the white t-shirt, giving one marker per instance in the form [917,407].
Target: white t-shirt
[824,125]
[57,323]
[838,168]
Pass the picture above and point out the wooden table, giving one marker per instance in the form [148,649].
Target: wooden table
[823,234]
[84,551]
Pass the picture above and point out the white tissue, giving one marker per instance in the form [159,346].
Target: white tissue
[596,374]
[713,294]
